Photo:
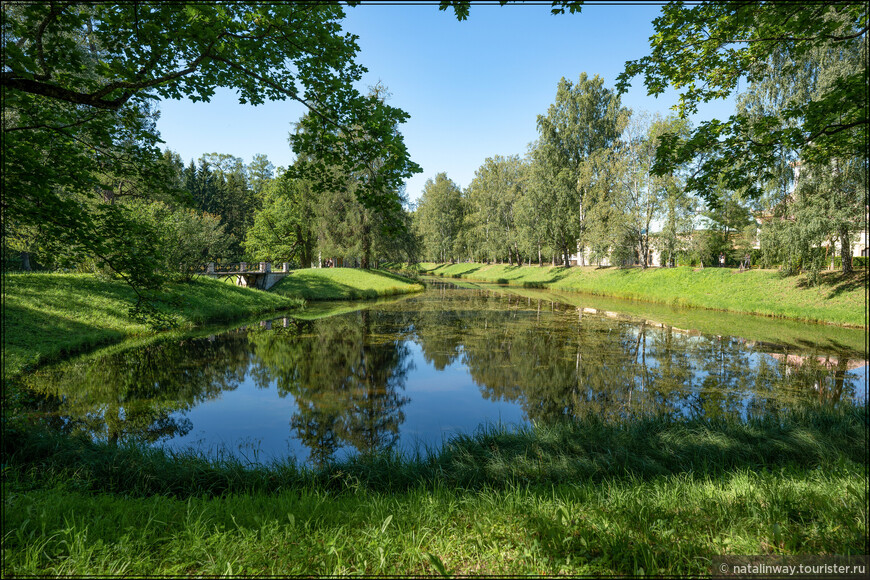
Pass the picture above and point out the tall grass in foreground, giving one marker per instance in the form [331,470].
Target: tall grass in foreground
[665,525]
[656,496]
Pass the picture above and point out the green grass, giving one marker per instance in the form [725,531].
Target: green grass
[779,331]
[343,284]
[837,300]
[656,495]
[48,316]
[329,308]
[653,496]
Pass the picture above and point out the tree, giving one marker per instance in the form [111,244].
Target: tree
[260,172]
[607,228]
[705,50]
[284,229]
[678,210]
[439,218]
[368,147]
[585,118]
[826,208]
[492,196]
[78,80]
[824,195]
[531,212]
[646,193]
[185,238]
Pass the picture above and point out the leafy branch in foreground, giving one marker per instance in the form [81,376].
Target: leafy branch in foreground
[78,81]
[706,50]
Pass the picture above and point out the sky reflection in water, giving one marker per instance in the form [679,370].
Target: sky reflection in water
[408,373]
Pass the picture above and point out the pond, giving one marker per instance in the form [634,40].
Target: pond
[407,373]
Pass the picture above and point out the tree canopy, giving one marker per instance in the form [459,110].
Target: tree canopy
[707,50]
[79,81]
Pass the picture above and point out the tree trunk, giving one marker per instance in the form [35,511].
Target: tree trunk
[845,250]
[540,257]
[366,245]
[644,250]
[25,261]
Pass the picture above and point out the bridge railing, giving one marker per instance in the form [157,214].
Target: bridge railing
[255,267]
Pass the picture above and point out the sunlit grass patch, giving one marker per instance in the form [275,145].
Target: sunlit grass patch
[764,292]
[343,284]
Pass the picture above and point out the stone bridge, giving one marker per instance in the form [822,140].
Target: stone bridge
[262,279]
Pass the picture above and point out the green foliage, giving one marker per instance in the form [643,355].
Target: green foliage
[185,239]
[704,50]
[585,120]
[218,186]
[492,199]
[354,184]
[439,219]
[283,229]
[859,262]
[362,152]
[77,89]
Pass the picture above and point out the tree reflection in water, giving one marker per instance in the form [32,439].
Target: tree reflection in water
[140,394]
[346,377]
[352,376]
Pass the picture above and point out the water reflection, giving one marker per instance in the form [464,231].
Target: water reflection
[141,393]
[347,380]
[353,380]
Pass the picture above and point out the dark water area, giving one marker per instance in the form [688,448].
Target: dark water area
[406,374]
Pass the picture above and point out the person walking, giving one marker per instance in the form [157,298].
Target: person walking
[722,260]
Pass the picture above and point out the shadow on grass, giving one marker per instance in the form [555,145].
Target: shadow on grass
[837,282]
[392,276]
[588,450]
[467,272]
[316,288]
[855,281]
[322,288]
[32,337]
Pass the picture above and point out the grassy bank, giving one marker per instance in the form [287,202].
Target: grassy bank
[49,316]
[846,341]
[343,284]
[654,496]
[837,300]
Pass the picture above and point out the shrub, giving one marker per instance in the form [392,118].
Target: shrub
[186,239]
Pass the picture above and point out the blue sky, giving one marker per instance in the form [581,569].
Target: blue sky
[473,88]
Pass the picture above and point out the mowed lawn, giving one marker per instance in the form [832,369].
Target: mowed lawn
[343,284]
[50,315]
[837,300]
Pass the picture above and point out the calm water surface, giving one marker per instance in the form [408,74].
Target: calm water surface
[407,373]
